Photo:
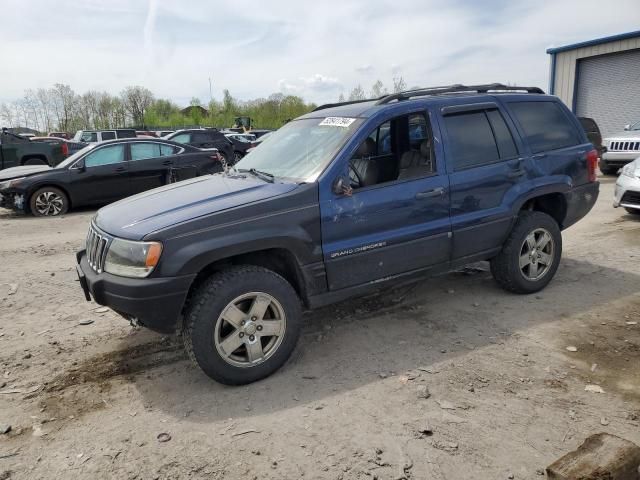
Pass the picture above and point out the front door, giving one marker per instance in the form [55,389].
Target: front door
[104,178]
[396,218]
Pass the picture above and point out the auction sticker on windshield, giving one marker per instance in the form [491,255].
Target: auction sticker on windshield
[337,121]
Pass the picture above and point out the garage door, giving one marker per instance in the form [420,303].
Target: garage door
[609,90]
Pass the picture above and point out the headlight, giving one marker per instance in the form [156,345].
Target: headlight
[10,183]
[132,259]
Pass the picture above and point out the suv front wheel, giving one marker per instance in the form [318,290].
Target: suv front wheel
[242,324]
[531,254]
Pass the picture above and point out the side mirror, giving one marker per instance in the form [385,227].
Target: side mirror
[627,127]
[341,187]
[80,166]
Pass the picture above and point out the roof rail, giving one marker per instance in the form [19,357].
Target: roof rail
[423,92]
[457,88]
[339,104]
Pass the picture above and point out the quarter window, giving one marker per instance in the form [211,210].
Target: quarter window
[108,135]
[105,156]
[545,125]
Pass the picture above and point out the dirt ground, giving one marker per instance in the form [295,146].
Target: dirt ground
[506,397]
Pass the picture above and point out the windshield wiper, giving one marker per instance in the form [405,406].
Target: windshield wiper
[266,176]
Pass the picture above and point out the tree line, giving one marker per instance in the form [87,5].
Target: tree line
[60,108]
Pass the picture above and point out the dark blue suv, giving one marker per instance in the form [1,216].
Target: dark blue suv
[349,198]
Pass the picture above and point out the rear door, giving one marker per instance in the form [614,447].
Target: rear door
[150,165]
[487,165]
[104,178]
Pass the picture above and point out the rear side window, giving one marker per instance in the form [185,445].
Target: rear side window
[545,125]
[182,138]
[140,151]
[108,135]
[471,140]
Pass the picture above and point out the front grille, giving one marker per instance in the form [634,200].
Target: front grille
[624,146]
[97,246]
[631,197]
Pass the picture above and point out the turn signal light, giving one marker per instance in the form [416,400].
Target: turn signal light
[592,164]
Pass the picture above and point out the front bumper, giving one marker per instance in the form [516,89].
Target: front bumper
[13,201]
[155,303]
[627,192]
[611,159]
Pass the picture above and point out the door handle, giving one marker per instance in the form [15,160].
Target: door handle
[516,173]
[120,169]
[167,162]
[538,156]
[435,192]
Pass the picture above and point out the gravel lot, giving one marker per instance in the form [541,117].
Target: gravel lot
[505,395]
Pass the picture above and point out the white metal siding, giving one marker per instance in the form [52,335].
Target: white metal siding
[566,63]
[609,90]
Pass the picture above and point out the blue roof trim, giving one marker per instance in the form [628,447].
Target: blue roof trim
[597,41]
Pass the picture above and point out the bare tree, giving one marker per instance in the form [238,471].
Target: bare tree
[64,102]
[8,115]
[357,93]
[341,98]
[137,100]
[378,90]
[399,84]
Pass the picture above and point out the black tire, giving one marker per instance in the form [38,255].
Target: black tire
[35,161]
[505,267]
[206,307]
[632,211]
[57,199]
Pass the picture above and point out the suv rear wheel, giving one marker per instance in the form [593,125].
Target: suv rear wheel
[242,324]
[531,254]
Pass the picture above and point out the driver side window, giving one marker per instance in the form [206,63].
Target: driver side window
[105,156]
[397,150]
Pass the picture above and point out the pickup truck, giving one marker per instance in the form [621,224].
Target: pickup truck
[346,200]
[17,151]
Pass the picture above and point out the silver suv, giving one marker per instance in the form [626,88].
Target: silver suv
[621,149]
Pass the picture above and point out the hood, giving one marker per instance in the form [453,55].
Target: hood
[624,134]
[17,172]
[137,216]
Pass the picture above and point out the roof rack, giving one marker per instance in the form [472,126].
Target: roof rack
[490,87]
[423,92]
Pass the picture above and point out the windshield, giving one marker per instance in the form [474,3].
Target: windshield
[302,148]
[75,156]
[635,126]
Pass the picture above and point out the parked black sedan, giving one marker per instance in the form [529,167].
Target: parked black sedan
[205,138]
[102,173]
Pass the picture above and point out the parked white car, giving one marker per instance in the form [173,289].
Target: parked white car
[621,149]
[627,193]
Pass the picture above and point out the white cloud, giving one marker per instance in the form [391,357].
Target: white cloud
[313,49]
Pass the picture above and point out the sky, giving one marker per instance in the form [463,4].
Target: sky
[315,49]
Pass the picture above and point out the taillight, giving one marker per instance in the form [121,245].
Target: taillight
[592,164]
[65,149]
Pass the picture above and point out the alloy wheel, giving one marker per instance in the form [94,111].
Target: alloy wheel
[536,254]
[49,203]
[250,329]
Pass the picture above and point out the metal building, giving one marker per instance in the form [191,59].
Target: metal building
[600,79]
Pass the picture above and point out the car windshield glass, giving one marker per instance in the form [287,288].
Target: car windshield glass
[301,149]
[75,156]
